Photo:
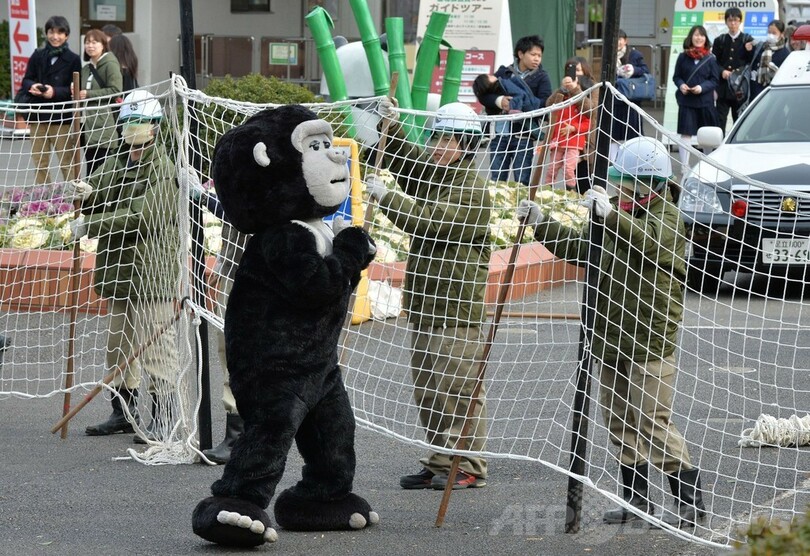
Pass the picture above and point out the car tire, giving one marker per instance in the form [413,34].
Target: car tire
[704,277]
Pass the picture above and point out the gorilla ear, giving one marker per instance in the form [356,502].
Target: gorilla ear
[308,128]
[260,154]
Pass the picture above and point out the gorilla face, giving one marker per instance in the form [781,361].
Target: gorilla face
[279,165]
[324,167]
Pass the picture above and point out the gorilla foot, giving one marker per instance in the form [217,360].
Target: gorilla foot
[297,513]
[232,522]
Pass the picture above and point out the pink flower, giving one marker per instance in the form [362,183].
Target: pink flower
[36,208]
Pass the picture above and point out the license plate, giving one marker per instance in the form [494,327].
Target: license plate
[786,251]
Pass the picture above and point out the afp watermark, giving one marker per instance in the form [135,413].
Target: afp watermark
[537,520]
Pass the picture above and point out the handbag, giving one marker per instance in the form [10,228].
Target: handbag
[23,97]
[637,88]
[739,82]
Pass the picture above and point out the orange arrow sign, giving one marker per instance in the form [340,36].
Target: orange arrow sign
[18,37]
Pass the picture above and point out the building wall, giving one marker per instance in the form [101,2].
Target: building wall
[157,27]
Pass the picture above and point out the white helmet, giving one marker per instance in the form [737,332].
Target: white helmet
[640,158]
[140,105]
[457,117]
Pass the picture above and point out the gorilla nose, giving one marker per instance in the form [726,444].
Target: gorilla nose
[338,156]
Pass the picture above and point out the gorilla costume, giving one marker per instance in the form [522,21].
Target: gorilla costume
[277,175]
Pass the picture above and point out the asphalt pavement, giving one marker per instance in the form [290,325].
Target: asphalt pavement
[70,497]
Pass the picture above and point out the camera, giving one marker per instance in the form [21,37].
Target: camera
[42,88]
[571,71]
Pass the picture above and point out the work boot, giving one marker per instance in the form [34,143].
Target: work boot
[162,420]
[234,426]
[688,507]
[117,421]
[635,493]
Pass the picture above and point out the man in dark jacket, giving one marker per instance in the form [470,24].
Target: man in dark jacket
[513,144]
[47,79]
[732,50]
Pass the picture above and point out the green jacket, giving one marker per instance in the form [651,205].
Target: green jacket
[639,301]
[98,124]
[445,210]
[134,214]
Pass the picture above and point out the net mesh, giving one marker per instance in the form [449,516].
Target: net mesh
[741,349]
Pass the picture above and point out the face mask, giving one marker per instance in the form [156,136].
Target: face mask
[772,38]
[136,134]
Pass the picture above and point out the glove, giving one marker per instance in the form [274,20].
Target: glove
[386,108]
[187,178]
[599,201]
[529,213]
[376,187]
[339,224]
[78,228]
[81,190]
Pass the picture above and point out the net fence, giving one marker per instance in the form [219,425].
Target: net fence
[449,247]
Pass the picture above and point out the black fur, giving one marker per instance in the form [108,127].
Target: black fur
[282,325]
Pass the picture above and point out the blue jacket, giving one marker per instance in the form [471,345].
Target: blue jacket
[536,80]
[636,59]
[522,97]
[704,72]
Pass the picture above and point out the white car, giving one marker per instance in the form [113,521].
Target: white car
[734,224]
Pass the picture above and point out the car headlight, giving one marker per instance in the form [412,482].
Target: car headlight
[697,196]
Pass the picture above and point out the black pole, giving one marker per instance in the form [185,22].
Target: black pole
[579,423]
[189,73]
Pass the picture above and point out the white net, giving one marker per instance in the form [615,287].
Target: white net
[108,311]
[740,350]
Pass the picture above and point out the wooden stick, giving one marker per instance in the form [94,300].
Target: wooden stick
[503,291]
[117,370]
[75,269]
[378,156]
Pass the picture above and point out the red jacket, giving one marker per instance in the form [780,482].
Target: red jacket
[571,115]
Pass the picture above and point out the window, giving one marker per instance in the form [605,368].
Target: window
[241,6]
[95,14]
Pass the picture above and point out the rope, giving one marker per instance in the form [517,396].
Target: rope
[773,431]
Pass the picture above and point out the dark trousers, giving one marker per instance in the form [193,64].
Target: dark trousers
[723,106]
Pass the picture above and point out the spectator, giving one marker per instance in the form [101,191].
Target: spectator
[639,310]
[110,30]
[101,78]
[587,161]
[228,258]
[731,50]
[768,58]
[122,48]
[625,123]
[513,144]
[792,43]
[130,204]
[696,77]
[571,127]
[444,206]
[48,79]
